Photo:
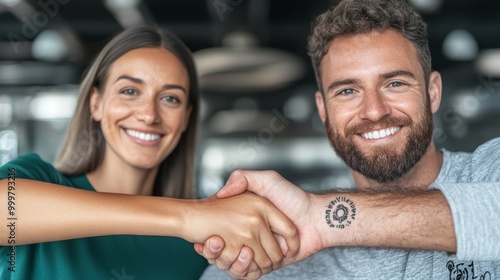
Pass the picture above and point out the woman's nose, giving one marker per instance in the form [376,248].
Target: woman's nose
[148,112]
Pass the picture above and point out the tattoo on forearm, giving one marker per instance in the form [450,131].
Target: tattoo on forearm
[340,212]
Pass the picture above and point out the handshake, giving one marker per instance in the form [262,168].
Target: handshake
[270,223]
[259,222]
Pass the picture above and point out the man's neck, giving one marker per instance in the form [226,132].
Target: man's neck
[419,177]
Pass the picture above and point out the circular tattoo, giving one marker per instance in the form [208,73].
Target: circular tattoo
[340,212]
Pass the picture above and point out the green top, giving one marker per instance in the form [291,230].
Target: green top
[120,257]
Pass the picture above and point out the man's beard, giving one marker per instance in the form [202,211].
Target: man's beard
[384,164]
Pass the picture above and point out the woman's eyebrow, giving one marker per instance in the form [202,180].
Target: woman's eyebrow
[132,79]
[139,81]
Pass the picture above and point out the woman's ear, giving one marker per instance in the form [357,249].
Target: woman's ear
[95,105]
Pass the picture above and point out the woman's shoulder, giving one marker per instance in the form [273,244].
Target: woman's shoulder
[30,166]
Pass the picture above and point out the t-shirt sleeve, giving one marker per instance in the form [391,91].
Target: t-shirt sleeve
[475,208]
[473,194]
[30,166]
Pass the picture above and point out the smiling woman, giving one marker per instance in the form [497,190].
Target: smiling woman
[144,114]
[120,62]
[118,202]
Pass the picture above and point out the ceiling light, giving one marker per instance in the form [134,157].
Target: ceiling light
[466,105]
[49,46]
[10,3]
[116,5]
[53,106]
[460,45]
[6,111]
[427,6]
[240,66]
[213,158]
[488,62]
[8,146]
[297,108]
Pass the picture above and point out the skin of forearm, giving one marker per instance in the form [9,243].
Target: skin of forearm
[407,220]
[47,212]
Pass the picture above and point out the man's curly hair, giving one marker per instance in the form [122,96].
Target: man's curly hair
[352,17]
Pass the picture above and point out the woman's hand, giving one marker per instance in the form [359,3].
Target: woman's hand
[297,204]
[243,220]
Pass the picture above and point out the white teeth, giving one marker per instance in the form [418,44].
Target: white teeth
[380,133]
[143,136]
[383,133]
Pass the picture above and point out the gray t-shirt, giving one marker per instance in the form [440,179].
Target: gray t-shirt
[471,185]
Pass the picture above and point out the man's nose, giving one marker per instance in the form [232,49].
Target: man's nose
[374,106]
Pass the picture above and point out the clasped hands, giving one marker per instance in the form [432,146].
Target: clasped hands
[285,232]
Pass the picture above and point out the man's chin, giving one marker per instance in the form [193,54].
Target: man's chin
[381,165]
[379,154]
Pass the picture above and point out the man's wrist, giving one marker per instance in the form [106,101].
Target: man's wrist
[337,218]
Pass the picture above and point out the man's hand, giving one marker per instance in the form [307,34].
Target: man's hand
[294,202]
[243,220]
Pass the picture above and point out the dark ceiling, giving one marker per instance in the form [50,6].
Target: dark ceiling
[201,24]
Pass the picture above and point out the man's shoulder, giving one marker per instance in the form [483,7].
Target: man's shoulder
[483,164]
[485,161]
[489,149]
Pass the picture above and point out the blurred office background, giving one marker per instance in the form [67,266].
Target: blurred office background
[257,84]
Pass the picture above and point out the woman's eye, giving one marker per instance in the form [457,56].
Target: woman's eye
[129,91]
[171,99]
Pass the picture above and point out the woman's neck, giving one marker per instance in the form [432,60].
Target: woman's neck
[119,177]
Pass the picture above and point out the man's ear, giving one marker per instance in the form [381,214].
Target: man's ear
[95,105]
[435,90]
[320,104]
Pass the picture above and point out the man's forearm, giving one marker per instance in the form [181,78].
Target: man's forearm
[409,220]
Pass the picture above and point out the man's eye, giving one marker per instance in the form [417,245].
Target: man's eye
[346,91]
[396,84]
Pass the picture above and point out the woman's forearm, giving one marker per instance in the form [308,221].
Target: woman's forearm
[47,212]
[41,212]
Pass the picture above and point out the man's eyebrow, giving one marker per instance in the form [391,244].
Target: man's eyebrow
[396,73]
[384,76]
[139,81]
[341,83]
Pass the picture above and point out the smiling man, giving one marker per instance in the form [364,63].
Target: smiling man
[377,109]
[416,212]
